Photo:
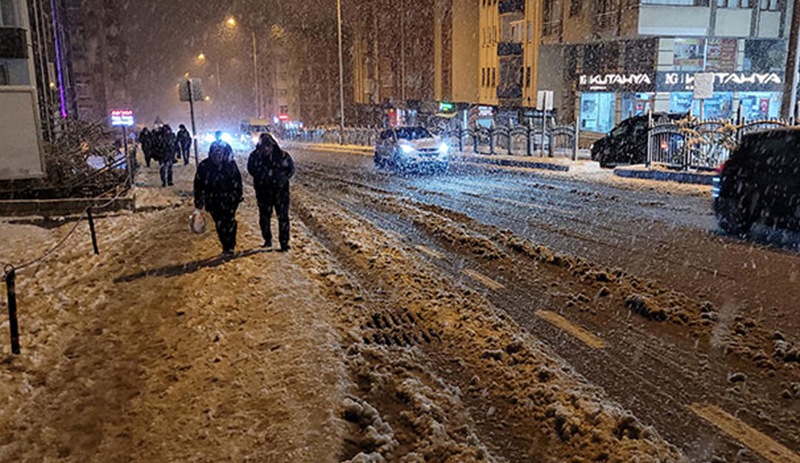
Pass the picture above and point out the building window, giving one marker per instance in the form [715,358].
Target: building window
[764,55]
[575,7]
[494,77]
[8,14]
[530,31]
[4,79]
[676,2]
[770,5]
[528,77]
[483,77]
[735,3]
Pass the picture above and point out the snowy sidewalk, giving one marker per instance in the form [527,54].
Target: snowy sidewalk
[160,350]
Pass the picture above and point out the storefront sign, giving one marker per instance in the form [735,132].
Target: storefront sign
[723,81]
[642,82]
[122,117]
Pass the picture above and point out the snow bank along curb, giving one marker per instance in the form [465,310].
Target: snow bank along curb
[539,163]
[61,207]
[642,173]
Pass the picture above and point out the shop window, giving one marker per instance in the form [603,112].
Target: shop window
[637,104]
[720,106]
[597,112]
[760,105]
[676,2]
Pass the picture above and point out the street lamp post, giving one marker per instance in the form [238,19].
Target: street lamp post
[341,74]
[231,22]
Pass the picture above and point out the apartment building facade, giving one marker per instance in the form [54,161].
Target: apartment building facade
[613,59]
[20,123]
[410,56]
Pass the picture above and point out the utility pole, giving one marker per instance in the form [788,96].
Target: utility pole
[789,103]
[256,92]
[341,74]
[403,50]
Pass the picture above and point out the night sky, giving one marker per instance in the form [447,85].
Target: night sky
[164,39]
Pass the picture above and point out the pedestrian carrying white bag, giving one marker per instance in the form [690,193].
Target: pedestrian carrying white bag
[197,222]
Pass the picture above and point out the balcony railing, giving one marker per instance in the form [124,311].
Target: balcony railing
[511,6]
[509,49]
[13,44]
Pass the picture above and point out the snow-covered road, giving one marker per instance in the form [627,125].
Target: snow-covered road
[487,315]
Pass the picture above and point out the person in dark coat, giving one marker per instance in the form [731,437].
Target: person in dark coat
[146,140]
[218,190]
[220,144]
[184,143]
[165,146]
[271,169]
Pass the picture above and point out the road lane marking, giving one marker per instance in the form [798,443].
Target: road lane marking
[483,279]
[753,438]
[575,331]
[429,252]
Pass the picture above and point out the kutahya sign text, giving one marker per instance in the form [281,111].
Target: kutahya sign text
[680,81]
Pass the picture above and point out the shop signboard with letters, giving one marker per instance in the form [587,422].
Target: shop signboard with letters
[678,81]
[617,82]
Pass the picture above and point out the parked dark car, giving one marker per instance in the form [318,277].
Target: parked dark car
[627,143]
[760,183]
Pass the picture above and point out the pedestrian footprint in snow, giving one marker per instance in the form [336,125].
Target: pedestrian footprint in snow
[271,169]
[218,190]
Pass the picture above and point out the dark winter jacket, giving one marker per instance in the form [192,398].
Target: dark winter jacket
[218,187]
[271,169]
[164,145]
[146,139]
[184,139]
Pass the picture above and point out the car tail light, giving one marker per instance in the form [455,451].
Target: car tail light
[721,167]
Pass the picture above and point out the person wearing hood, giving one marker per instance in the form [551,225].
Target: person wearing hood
[184,143]
[218,190]
[271,169]
[146,140]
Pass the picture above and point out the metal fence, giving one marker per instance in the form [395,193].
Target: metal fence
[548,140]
[694,144]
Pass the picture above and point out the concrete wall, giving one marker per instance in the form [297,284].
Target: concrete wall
[466,71]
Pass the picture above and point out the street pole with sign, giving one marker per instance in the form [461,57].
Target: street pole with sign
[703,89]
[123,118]
[191,91]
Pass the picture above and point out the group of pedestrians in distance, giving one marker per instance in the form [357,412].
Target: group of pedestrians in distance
[218,189]
[166,147]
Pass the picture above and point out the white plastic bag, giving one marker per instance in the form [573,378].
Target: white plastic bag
[197,222]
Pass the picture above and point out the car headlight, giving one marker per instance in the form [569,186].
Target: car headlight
[406,149]
[209,138]
[443,148]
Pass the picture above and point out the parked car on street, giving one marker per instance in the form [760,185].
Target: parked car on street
[411,148]
[760,183]
[627,143]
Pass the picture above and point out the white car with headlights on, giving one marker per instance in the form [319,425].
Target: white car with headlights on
[411,149]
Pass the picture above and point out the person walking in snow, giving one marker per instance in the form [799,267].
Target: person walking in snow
[222,145]
[146,140]
[218,190]
[184,143]
[271,169]
[164,148]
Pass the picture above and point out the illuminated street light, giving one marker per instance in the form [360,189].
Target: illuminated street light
[231,22]
[201,57]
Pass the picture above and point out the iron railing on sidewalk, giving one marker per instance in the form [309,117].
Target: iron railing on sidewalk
[546,139]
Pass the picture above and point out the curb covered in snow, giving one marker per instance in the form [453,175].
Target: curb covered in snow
[643,173]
